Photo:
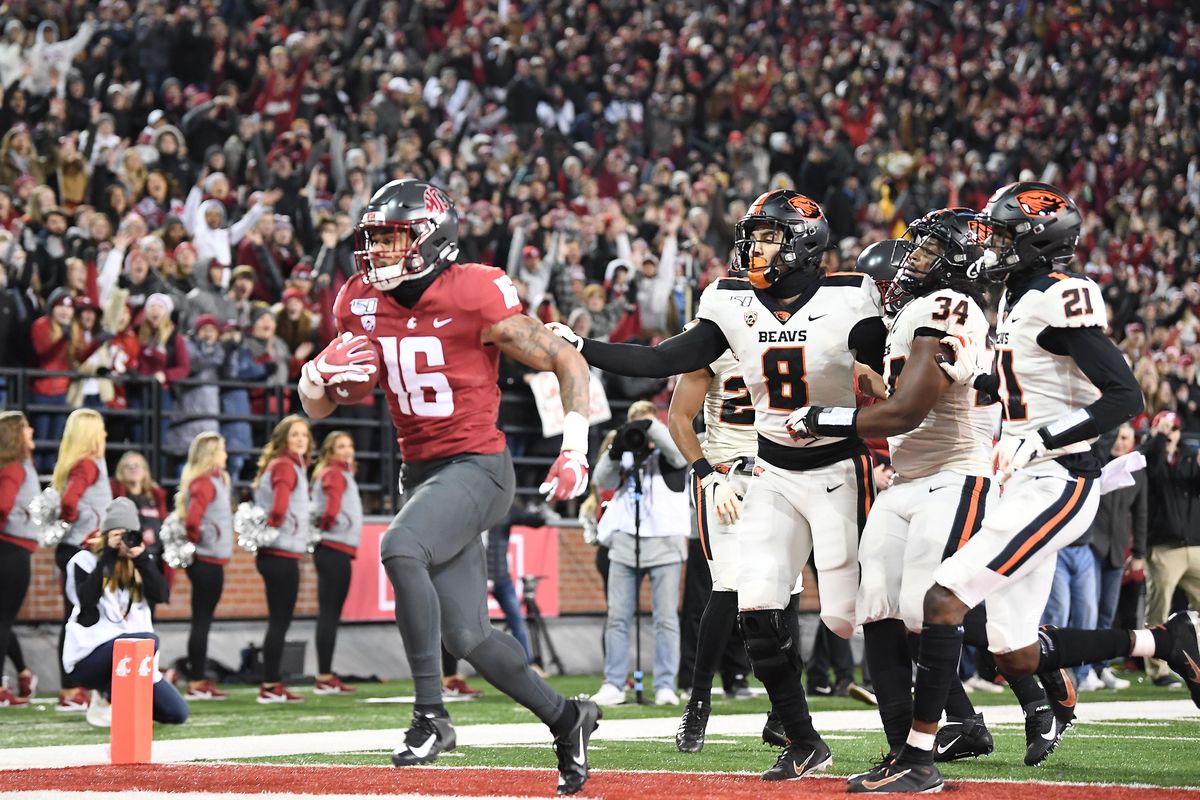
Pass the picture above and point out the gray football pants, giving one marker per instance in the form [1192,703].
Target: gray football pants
[435,559]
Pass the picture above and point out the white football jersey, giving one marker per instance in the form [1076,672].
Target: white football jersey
[728,413]
[957,433]
[792,357]
[1037,387]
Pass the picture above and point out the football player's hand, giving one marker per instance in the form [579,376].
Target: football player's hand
[724,500]
[798,422]
[970,359]
[567,478]
[347,359]
[1012,453]
[564,332]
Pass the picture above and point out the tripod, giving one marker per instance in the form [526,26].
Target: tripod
[536,624]
[635,479]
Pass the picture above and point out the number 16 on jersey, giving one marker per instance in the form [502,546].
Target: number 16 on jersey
[421,394]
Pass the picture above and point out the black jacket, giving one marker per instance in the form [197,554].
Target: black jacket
[1120,514]
[1174,495]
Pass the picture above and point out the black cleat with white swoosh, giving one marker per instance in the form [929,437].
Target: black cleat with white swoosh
[571,749]
[898,777]
[962,737]
[1185,650]
[799,759]
[428,737]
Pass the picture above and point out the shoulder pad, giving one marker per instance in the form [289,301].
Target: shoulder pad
[734,285]
[1073,301]
[845,279]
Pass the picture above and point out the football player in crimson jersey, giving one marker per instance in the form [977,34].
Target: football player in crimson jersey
[439,328]
[1062,382]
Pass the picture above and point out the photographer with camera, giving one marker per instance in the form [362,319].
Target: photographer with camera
[111,584]
[645,527]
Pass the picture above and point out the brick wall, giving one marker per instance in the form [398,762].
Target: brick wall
[581,590]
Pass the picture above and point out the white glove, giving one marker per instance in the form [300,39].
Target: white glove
[797,424]
[1012,453]
[564,332]
[970,359]
[311,384]
[724,500]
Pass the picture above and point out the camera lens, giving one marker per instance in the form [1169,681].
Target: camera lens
[132,539]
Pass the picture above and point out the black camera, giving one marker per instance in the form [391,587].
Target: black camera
[132,539]
[633,437]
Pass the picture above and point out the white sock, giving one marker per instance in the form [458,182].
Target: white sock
[921,741]
[1143,644]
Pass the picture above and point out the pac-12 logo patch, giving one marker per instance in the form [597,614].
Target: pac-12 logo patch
[750,317]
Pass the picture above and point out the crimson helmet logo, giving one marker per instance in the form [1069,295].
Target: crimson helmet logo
[1040,203]
[806,206]
[436,203]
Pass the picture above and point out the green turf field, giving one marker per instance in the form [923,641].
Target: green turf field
[1141,751]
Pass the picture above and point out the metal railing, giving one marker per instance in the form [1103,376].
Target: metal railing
[140,427]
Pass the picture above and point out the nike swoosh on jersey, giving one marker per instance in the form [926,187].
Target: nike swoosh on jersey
[811,318]
[950,744]
[423,750]
[831,489]
[872,785]
[441,323]
[933,489]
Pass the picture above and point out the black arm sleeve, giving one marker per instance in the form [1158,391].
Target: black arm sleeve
[1102,363]
[154,585]
[90,585]
[689,351]
[866,340]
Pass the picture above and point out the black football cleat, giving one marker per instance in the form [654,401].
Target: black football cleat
[1060,691]
[571,749]
[898,777]
[799,759]
[773,731]
[962,738]
[884,760]
[1041,733]
[690,736]
[428,737]
[1184,627]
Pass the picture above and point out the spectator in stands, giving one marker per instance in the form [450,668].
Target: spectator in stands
[88,357]
[281,489]
[135,481]
[51,342]
[18,538]
[163,357]
[337,508]
[205,507]
[205,221]
[662,541]
[81,480]
[297,327]
[200,396]
[110,588]
[1173,562]
[265,359]
[1119,528]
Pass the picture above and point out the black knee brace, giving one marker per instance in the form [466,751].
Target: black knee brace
[771,643]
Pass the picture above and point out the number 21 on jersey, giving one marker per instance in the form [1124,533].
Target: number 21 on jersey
[421,394]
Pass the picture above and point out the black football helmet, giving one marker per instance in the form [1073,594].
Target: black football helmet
[945,246]
[1038,226]
[427,217]
[881,260]
[805,237]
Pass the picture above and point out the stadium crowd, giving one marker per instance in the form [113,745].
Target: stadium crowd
[179,183]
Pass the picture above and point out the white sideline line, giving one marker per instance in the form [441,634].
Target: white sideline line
[531,733]
[57,794]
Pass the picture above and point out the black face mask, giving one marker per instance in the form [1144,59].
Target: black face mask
[793,282]
[408,294]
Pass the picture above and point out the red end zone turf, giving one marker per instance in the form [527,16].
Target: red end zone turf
[477,782]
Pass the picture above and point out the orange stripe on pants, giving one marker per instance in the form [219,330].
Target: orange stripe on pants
[972,512]
[1046,529]
[702,520]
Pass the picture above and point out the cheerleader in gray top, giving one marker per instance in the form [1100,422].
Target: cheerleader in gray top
[81,480]
[204,507]
[337,509]
[281,489]
[18,540]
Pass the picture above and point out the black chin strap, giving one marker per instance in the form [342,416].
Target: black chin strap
[795,281]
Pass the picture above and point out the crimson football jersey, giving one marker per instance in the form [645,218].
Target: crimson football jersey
[439,378]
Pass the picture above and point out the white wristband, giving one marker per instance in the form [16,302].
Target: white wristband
[575,432]
[308,388]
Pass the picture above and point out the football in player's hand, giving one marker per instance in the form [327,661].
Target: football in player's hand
[351,392]
[348,368]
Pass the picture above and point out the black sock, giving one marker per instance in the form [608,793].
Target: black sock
[436,709]
[957,702]
[562,726]
[915,755]
[1026,689]
[886,653]
[938,667]
[1164,643]
[1072,647]
[716,625]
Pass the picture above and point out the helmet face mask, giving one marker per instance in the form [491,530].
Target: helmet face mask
[782,232]
[408,231]
[944,249]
